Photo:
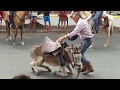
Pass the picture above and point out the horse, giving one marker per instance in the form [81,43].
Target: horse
[71,55]
[87,15]
[5,17]
[19,21]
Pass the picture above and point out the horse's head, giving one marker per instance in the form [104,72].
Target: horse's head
[76,53]
[76,58]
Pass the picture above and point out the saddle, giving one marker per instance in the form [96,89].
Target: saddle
[48,46]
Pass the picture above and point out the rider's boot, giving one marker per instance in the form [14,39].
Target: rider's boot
[84,68]
[89,68]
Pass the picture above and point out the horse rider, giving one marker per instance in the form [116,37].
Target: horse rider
[83,30]
[96,17]
[11,15]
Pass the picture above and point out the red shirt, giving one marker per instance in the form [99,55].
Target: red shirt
[62,14]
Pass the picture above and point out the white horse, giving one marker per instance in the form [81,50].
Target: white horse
[87,15]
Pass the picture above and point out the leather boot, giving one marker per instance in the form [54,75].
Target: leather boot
[89,68]
[84,68]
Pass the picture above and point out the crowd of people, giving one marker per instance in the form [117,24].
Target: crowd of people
[46,16]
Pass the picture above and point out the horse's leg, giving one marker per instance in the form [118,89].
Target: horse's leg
[21,31]
[43,66]
[69,68]
[108,37]
[91,23]
[36,62]
[7,30]
[46,67]
[16,30]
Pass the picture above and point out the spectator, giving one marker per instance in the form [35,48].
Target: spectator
[63,18]
[46,17]
[21,76]
[33,20]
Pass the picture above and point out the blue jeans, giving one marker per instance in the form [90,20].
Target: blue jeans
[85,45]
[47,18]
[96,17]
[61,60]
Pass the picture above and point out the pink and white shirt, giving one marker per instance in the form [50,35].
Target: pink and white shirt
[83,29]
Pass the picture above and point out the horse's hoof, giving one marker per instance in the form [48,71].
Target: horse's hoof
[10,38]
[33,70]
[7,39]
[22,43]
[105,45]
[14,44]
[60,74]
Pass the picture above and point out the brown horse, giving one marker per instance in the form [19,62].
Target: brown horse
[19,21]
[5,17]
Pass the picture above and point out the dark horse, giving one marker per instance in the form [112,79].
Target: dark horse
[18,20]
